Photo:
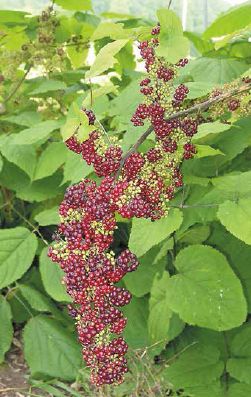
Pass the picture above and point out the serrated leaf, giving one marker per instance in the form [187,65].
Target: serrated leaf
[52,277]
[17,250]
[105,58]
[6,329]
[49,85]
[206,292]
[145,234]
[236,217]
[48,217]
[50,350]
[50,160]
[197,365]
[36,133]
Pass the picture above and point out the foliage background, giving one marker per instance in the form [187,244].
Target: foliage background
[194,327]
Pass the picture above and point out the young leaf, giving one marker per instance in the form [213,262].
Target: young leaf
[105,58]
[236,217]
[17,249]
[50,350]
[6,329]
[48,217]
[206,292]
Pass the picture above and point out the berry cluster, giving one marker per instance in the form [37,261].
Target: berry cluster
[136,185]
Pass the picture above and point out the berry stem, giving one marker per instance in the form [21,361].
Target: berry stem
[193,109]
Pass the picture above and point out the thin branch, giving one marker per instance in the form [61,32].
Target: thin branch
[196,108]
[13,92]
[170,3]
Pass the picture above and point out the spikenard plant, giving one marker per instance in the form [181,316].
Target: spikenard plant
[166,157]
[142,186]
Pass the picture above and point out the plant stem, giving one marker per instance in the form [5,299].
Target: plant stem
[13,92]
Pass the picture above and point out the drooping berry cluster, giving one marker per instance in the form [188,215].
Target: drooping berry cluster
[135,185]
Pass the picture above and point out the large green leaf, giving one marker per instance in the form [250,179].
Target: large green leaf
[50,160]
[206,129]
[36,299]
[36,133]
[146,234]
[6,329]
[230,21]
[172,44]
[198,365]
[27,119]
[52,277]
[17,249]
[206,292]
[50,350]
[42,189]
[105,58]
[75,168]
[75,5]
[236,217]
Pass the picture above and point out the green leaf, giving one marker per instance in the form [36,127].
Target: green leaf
[37,133]
[6,329]
[49,85]
[110,29]
[239,390]
[194,235]
[205,151]
[159,312]
[50,160]
[198,89]
[77,56]
[36,299]
[152,262]
[42,189]
[230,21]
[208,129]
[50,350]
[206,291]
[198,365]
[237,183]
[24,156]
[17,249]
[69,128]
[48,217]
[13,17]
[75,5]
[75,168]
[173,45]
[145,234]
[105,58]
[135,332]
[52,277]
[236,217]
[28,119]
[239,366]
[214,70]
